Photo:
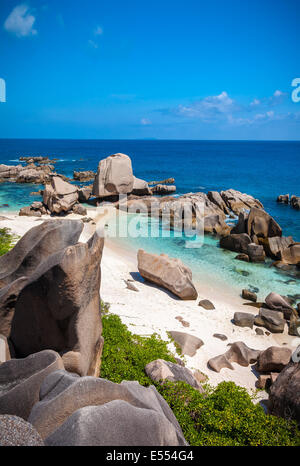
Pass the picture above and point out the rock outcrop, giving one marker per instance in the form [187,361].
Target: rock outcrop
[168,273]
[59,308]
[140,187]
[262,225]
[114,176]
[284,399]
[60,196]
[237,201]
[236,242]
[291,254]
[95,411]
[21,379]
[84,175]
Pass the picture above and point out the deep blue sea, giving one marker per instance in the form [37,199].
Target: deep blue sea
[263,169]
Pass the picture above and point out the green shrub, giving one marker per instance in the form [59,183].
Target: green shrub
[6,241]
[125,355]
[224,416]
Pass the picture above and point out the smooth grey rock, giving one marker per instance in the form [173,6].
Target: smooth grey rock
[238,352]
[273,359]
[114,176]
[20,381]
[271,320]
[206,304]
[188,343]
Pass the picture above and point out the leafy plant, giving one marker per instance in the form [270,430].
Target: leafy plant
[6,241]
[224,416]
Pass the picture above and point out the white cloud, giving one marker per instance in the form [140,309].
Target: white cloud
[20,22]
[210,107]
[93,44]
[98,31]
[278,93]
[145,121]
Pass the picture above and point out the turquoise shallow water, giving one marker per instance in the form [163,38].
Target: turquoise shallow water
[210,263]
[263,169]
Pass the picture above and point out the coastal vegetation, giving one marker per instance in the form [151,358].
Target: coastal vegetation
[224,415]
[6,241]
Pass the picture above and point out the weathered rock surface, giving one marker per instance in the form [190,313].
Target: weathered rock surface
[284,399]
[294,325]
[163,189]
[114,176]
[59,308]
[277,303]
[236,242]
[167,272]
[15,432]
[160,371]
[237,201]
[84,194]
[271,320]
[216,198]
[273,246]
[291,254]
[140,187]
[95,411]
[295,202]
[60,196]
[29,212]
[36,246]
[216,224]
[250,295]
[256,252]
[29,174]
[21,379]
[243,319]
[79,209]
[189,344]
[283,198]
[273,359]
[206,304]
[238,352]
[84,175]
[261,224]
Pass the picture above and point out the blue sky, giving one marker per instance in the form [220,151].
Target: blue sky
[162,69]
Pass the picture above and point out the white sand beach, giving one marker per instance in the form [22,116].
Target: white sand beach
[154,310]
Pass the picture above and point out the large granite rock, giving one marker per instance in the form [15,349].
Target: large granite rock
[291,254]
[284,397]
[36,246]
[60,196]
[160,371]
[21,379]
[216,198]
[59,308]
[243,319]
[216,224]
[238,352]
[94,411]
[237,201]
[15,432]
[273,359]
[140,187]
[273,246]
[114,176]
[163,189]
[236,242]
[84,175]
[261,224]
[271,320]
[276,302]
[256,252]
[189,344]
[167,272]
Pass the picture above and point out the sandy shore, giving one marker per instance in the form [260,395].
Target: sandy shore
[152,309]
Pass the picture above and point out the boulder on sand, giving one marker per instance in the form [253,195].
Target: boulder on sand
[271,320]
[243,319]
[21,379]
[250,295]
[59,308]
[167,272]
[60,196]
[114,176]
[189,344]
[238,352]
[284,399]
[276,302]
[94,411]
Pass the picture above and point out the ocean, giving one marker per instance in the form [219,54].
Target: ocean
[263,169]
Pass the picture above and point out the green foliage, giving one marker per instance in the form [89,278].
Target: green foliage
[125,355]
[224,415]
[6,241]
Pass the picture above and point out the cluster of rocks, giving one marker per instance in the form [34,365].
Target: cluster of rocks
[273,315]
[84,175]
[37,174]
[294,201]
[43,404]
[50,321]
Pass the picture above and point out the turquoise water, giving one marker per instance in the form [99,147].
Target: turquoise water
[263,169]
